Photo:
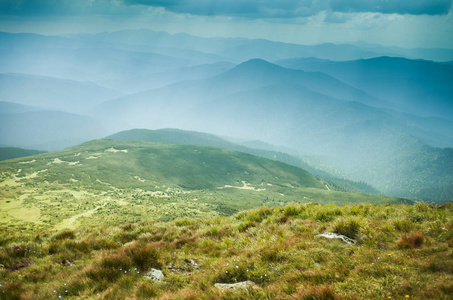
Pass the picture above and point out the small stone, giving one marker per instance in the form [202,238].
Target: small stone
[234,286]
[155,275]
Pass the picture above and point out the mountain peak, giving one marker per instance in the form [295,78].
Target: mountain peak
[256,66]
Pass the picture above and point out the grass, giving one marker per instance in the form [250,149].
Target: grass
[276,248]
[99,183]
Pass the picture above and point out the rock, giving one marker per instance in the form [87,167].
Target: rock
[331,235]
[234,286]
[67,263]
[155,275]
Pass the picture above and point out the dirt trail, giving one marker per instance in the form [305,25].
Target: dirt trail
[71,222]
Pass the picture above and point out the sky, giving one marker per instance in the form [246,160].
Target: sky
[403,23]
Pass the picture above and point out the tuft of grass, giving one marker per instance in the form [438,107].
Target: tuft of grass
[349,227]
[143,255]
[146,290]
[66,234]
[412,241]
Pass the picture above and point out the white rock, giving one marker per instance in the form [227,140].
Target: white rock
[155,275]
[234,286]
[332,235]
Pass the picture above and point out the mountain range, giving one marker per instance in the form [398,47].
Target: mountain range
[367,113]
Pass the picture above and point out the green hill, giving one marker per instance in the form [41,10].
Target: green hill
[110,182]
[184,137]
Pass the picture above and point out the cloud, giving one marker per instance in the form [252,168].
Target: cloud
[263,9]
[237,8]
[410,7]
[29,8]
[297,8]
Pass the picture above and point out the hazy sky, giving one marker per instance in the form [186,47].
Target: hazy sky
[406,23]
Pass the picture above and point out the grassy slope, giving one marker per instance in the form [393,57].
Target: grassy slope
[184,137]
[109,182]
[401,252]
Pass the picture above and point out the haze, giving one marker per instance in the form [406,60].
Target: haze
[357,90]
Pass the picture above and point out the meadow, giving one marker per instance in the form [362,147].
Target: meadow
[107,182]
[400,252]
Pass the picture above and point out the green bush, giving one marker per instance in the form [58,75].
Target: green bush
[143,255]
[349,227]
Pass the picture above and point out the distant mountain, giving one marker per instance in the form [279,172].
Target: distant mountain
[418,87]
[241,49]
[258,100]
[47,130]
[82,60]
[134,84]
[13,152]
[13,108]
[158,108]
[52,93]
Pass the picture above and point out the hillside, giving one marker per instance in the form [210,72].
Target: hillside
[184,137]
[399,252]
[109,182]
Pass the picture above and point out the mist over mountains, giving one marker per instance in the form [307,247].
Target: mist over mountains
[379,115]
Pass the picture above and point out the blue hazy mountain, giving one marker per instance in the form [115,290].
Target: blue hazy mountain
[241,49]
[47,130]
[414,86]
[259,100]
[348,111]
[53,93]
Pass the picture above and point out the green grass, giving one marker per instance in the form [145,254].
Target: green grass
[109,182]
[276,248]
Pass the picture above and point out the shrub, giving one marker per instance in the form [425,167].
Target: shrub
[110,267]
[326,214]
[246,225]
[259,215]
[183,222]
[292,210]
[179,243]
[272,256]
[283,219]
[350,227]
[319,293]
[145,290]
[414,240]
[67,234]
[143,255]
[12,291]
[403,225]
